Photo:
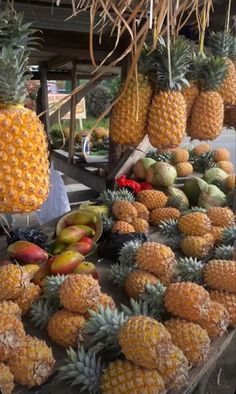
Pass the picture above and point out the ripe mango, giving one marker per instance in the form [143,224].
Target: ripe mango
[25,252]
[66,262]
[86,268]
[88,230]
[41,274]
[71,234]
[87,240]
[81,247]
[81,217]
[32,268]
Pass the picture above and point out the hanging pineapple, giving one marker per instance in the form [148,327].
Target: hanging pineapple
[168,112]
[24,176]
[208,112]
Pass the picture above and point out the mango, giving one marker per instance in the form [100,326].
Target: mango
[32,268]
[41,274]
[87,240]
[81,247]
[88,230]
[86,268]
[25,252]
[71,234]
[66,262]
[58,247]
[81,217]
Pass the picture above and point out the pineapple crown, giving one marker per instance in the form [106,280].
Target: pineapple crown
[153,299]
[128,253]
[228,236]
[108,197]
[220,43]
[230,199]
[136,308]
[224,252]
[159,156]
[196,209]
[212,73]
[202,162]
[221,184]
[176,202]
[189,270]
[232,50]
[169,230]
[41,311]
[51,287]
[83,369]
[107,222]
[119,272]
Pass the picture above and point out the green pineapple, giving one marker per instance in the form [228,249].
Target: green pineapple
[224,252]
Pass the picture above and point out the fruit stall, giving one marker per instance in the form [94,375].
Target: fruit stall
[134,290]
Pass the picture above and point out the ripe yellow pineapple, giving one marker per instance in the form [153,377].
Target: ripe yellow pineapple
[221,275]
[228,301]
[121,375]
[226,166]
[32,363]
[142,211]
[195,246]
[64,328]
[221,216]
[13,280]
[105,301]
[152,199]
[216,231]
[129,114]
[184,169]
[221,154]
[190,338]
[29,295]
[122,227]
[24,177]
[230,182]
[10,308]
[190,94]
[194,223]
[207,116]
[201,148]
[136,282]
[79,293]
[187,300]
[12,335]
[179,156]
[124,210]
[140,225]
[157,259]
[209,237]
[160,214]
[216,321]
[227,89]
[6,379]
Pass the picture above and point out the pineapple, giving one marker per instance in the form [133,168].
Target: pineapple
[13,280]
[194,223]
[228,301]
[29,295]
[124,211]
[201,148]
[206,121]
[190,338]
[32,363]
[190,94]
[142,211]
[6,379]
[108,197]
[152,199]
[224,252]
[122,227]
[226,166]
[230,182]
[222,217]
[179,156]
[184,169]
[136,281]
[221,154]
[187,300]
[216,231]
[167,115]
[221,275]
[12,335]
[128,253]
[10,308]
[79,293]
[51,287]
[129,114]
[195,246]
[41,311]
[216,321]
[229,235]
[157,259]
[140,225]
[64,328]
[105,301]
[160,214]
[24,179]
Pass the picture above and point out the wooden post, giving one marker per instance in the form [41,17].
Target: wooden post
[72,114]
[44,100]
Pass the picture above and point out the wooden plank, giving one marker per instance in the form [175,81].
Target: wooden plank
[72,115]
[44,99]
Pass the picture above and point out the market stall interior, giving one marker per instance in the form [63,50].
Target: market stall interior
[134,290]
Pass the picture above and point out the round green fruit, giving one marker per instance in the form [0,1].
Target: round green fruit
[161,174]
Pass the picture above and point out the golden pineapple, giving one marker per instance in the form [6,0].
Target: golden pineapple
[10,308]
[125,211]
[160,214]
[152,199]
[13,280]
[227,89]
[226,166]
[209,237]
[29,295]
[142,211]
[194,223]
[195,246]
[216,321]
[64,328]
[122,227]
[6,379]
[136,282]
[187,300]
[129,114]
[105,301]
[121,376]
[201,148]
[79,293]
[140,225]
[190,338]
[24,177]
[179,156]
[221,216]
[190,94]
[228,301]
[221,275]
[32,363]
[230,182]
[216,231]
[221,154]
[184,169]
[12,335]
[157,259]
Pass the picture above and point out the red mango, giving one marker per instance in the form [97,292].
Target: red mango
[41,274]
[81,247]
[25,252]
[66,262]
[87,240]
[70,234]
[86,268]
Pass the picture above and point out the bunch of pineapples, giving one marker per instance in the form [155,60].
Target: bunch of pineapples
[203,157]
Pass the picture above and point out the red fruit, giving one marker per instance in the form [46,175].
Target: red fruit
[87,240]
[86,268]
[70,235]
[25,252]
[66,262]
[5,261]
[81,247]
[41,274]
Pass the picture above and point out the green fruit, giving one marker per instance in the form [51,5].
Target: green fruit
[97,209]
[179,196]
[58,247]
[141,166]
[71,234]
[193,187]
[161,174]
[81,217]
[211,197]
[88,230]
[214,174]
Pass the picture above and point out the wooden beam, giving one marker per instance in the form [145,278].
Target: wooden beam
[44,100]
[72,115]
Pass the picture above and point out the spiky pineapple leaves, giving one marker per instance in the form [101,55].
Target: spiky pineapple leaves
[189,270]
[224,252]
